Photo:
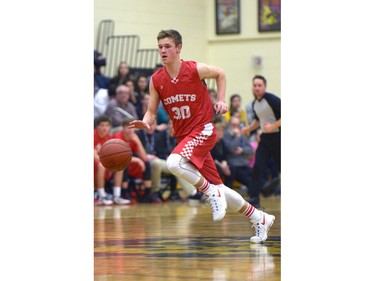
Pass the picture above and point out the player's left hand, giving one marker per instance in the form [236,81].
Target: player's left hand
[221,107]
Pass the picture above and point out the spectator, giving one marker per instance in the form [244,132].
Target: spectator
[140,166]
[101,174]
[141,84]
[141,110]
[100,81]
[218,118]
[238,156]
[219,152]
[158,145]
[121,100]
[162,116]
[133,94]
[122,75]
[213,95]
[235,107]
[101,99]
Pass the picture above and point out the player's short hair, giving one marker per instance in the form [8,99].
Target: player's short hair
[171,33]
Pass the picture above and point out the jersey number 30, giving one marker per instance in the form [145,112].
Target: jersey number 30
[182,112]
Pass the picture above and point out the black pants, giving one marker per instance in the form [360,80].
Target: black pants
[269,147]
[241,174]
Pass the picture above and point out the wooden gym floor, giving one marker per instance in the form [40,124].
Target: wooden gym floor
[177,241]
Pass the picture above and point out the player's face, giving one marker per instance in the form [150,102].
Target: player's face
[168,50]
[258,88]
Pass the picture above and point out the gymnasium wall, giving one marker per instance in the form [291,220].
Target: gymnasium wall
[195,20]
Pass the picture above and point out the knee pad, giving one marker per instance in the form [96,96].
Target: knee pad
[181,167]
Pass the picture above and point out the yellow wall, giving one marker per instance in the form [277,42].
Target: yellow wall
[195,20]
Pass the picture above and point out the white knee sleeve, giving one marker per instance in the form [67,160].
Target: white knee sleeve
[181,167]
[234,199]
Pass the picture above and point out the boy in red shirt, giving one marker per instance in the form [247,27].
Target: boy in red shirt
[101,174]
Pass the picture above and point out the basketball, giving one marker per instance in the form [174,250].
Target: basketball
[115,155]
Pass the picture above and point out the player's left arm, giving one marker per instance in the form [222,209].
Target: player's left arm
[208,71]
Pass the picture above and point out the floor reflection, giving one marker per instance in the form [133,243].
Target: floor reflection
[175,241]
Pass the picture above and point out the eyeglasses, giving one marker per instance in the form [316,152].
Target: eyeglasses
[123,92]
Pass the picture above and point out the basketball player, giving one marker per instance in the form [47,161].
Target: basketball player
[180,86]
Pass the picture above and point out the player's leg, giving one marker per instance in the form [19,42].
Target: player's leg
[182,167]
[261,221]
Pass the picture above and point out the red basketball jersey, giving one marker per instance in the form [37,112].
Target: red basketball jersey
[98,142]
[185,98]
[133,145]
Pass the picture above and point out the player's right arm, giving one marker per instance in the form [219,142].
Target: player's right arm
[151,113]
[208,71]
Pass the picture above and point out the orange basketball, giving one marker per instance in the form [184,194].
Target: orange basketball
[115,155]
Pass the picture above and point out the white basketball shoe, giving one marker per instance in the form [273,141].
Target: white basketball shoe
[218,202]
[262,227]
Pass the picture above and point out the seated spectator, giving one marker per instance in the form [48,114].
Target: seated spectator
[101,174]
[141,87]
[139,167]
[121,100]
[122,75]
[163,124]
[133,94]
[213,95]
[219,152]
[101,99]
[162,115]
[235,108]
[159,145]
[141,110]
[238,156]
[218,118]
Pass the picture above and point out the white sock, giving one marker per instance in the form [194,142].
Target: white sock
[101,192]
[116,191]
[205,187]
[236,201]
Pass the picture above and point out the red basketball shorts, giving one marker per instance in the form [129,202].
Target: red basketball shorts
[197,148]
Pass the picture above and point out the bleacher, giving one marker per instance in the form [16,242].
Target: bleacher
[118,48]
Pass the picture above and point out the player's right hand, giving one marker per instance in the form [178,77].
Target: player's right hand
[221,107]
[139,124]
